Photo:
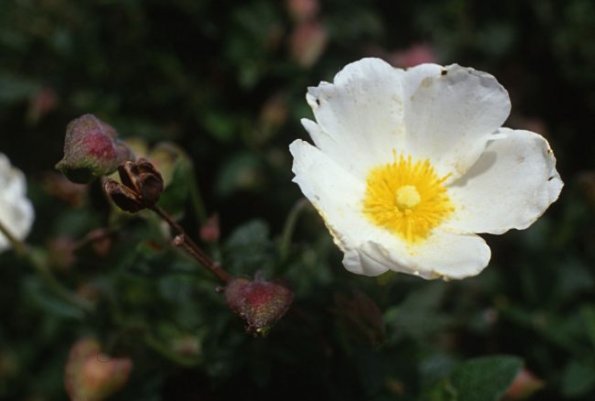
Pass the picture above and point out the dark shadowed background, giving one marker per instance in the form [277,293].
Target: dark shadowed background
[225,81]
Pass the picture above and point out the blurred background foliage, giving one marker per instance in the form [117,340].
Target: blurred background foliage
[225,81]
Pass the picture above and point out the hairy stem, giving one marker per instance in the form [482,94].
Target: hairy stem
[183,241]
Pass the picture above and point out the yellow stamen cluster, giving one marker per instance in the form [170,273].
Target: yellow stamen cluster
[407,198]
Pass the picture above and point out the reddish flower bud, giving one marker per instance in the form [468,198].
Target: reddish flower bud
[260,303]
[301,10]
[417,53]
[210,231]
[307,43]
[43,102]
[91,375]
[91,150]
[523,386]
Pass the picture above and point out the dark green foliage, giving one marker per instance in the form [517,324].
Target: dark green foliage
[220,80]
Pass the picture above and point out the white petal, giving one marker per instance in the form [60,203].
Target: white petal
[450,114]
[363,260]
[443,255]
[510,186]
[381,254]
[359,115]
[449,255]
[16,211]
[337,195]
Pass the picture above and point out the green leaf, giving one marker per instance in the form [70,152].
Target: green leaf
[485,378]
[249,248]
[220,126]
[418,316]
[47,302]
[578,379]
[14,89]
[176,194]
[241,171]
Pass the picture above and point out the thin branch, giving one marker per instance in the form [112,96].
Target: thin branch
[183,241]
[289,227]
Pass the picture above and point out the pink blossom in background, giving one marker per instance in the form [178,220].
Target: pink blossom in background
[523,386]
[307,43]
[42,103]
[302,10]
[417,53]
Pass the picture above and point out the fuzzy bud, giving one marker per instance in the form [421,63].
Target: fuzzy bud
[91,150]
[258,302]
[91,375]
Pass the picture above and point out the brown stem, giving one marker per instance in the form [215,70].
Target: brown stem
[189,246]
[165,216]
[183,241]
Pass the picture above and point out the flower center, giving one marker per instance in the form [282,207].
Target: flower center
[407,198]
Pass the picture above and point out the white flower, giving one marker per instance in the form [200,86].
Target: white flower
[16,211]
[410,164]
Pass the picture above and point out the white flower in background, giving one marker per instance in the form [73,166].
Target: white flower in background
[410,164]
[16,211]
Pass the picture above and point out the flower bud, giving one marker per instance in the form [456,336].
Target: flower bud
[307,43]
[91,375]
[44,101]
[417,53]
[302,10]
[523,386]
[91,150]
[258,302]
[210,231]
